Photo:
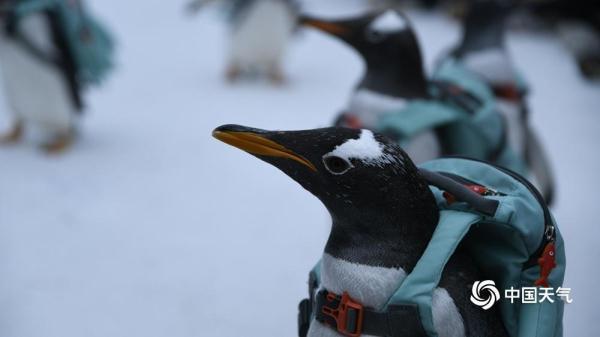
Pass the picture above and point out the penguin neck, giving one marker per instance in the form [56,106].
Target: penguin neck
[480,35]
[378,240]
[394,81]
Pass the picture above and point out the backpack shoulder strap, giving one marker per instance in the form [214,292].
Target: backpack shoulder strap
[454,94]
[16,14]
[419,285]
[416,117]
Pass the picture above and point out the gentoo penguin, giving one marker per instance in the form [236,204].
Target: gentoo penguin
[383,214]
[578,25]
[39,79]
[394,72]
[260,33]
[482,50]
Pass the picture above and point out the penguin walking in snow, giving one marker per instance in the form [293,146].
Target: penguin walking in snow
[260,33]
[394,75]
[482,50]
[39,78]
[383,214]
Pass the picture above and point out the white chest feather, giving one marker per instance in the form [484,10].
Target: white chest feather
[37,92]
[373,286]
[262,35]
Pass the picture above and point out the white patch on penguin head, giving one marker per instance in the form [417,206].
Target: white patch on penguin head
[366,148]
[389,22]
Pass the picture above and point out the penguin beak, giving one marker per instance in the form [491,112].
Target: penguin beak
[256,142]
[334,28]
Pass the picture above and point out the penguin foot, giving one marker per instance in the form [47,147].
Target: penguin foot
[14,135]
[59,144]
[233,73]
[276,77]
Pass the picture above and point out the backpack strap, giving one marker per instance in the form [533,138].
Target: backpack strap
[418,287]
[349,318]
[455,95]
[13,17]
[416,117]
[408,311]
[460,192]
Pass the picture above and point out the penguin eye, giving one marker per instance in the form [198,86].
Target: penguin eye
[374,35]
[336,165]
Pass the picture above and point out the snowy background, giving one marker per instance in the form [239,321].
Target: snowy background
[149,227]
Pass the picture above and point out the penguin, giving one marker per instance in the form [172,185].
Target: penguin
[260,33]
[383,216]
[394,73]
[40,79]
[578,26]
[482,50]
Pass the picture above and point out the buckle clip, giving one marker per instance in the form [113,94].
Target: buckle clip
[348,315]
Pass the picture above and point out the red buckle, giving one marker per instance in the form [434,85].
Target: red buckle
[508,92]
[348,316]
[353,122]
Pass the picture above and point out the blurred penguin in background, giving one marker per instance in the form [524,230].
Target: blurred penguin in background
[578,25]
[452,112]
[50,51]
[482,50]
[394,74]
[260,33]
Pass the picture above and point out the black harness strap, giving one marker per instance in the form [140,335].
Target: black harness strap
[455,95]
[396,321]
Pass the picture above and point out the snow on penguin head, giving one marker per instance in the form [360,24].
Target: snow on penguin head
[366,149]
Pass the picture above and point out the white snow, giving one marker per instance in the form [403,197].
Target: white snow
[150,227]
[365,148]
[389,22]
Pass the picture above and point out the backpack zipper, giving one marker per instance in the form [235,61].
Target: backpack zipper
[549,229]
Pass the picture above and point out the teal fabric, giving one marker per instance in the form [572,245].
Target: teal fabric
[419,285]
[476,134]
[89,43]
[418,116]
[500,246]
[453,71]
[516,229]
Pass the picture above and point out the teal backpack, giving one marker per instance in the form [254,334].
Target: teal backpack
[463,113]
[89,44]
[507,228]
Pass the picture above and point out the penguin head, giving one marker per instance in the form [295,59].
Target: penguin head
[353,172]
[389,46]
[484,25]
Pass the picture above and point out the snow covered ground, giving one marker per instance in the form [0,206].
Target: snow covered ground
[149,227]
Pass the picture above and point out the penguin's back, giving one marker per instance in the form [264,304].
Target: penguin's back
[37,91]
